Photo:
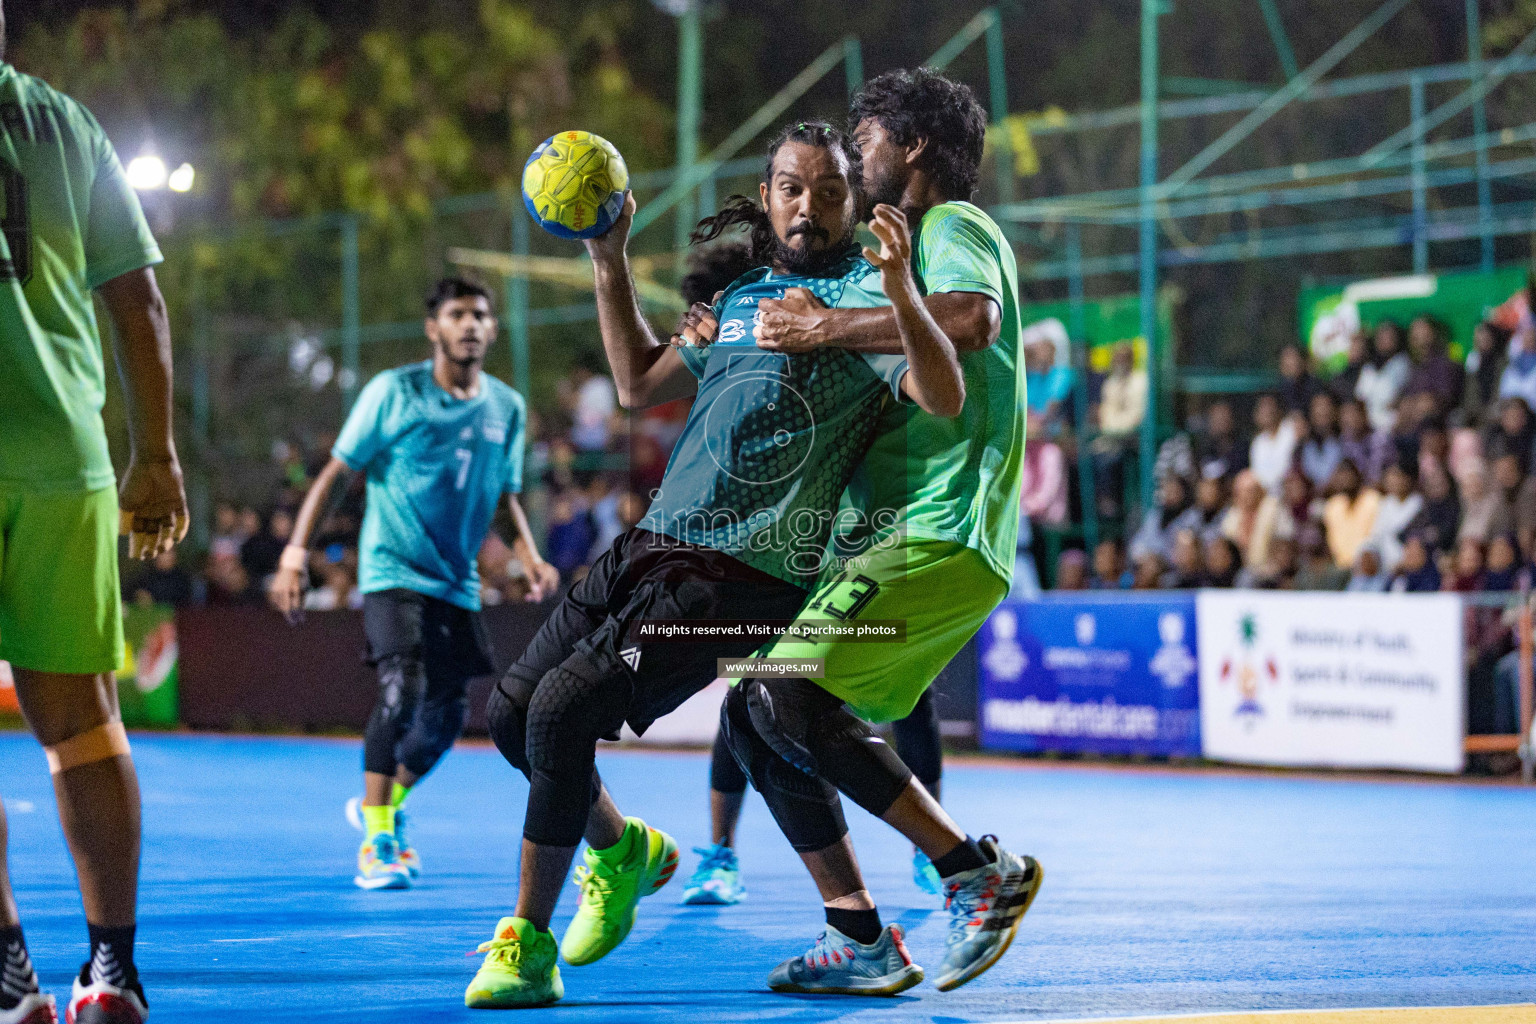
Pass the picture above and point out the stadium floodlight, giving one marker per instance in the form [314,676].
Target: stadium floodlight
[147,172]
[181,179]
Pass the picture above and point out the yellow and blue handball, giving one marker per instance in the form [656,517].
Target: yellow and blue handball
[573,185]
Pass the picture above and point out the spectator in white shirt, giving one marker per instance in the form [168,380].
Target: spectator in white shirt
[1382,379]
[590,397]
[1273,449]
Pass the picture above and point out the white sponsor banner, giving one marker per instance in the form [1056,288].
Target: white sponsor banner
[1334,680]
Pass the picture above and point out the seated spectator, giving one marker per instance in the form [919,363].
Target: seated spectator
[1050,378]
[1342,386]
[1157,526]
[1484,510]
[338,587]
[1318,570]
[1466,575]
[1043,497]
[1399,506]
[1404,439]
[1434,373]
[259,553]
[162,582]
[1519,377]
[1278,571]
[1321,451]
[1220,449]
[1176,456]
[1294,506]
[228,582]
[1222,563]
[1297,385]
[1434,446]
[570,532]
[1439,518]
[1510,433]
[1149,571]
[1369,577]
[1365,447]
[1109,570]
[1382,379]
[1122,408]
[1205,516]
[1484,369]
[604,496]
[1186,570]
[1503,563]
[1250,522]
[589,398]
[1349,513]
[1273,449]
[1416,572]
[1071,570]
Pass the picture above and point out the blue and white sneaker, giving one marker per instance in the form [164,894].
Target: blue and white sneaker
[925,876]
[717,880]
[985,907]
[406,851]
[837,965]
[378,865]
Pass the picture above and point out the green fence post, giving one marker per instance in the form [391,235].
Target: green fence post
[1480,129]
[201,511]
[1087,485]
[1420,197]
[351,310]
[517,310]
[997,82]
[689,89]
[1150,9]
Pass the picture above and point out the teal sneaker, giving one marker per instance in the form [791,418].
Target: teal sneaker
[408,858]
[985,906]
[378,865]
[925,876]
[717,880]
[837,965]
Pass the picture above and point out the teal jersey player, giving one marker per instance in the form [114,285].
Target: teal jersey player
[772,438]
[436,468]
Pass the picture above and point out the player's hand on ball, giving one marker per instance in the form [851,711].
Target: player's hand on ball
[894,259]
[794,323]
[543,581]
[611,245]
[152,504]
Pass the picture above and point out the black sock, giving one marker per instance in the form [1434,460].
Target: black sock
[17,979]
[964,857]
[862,926]
[112,956]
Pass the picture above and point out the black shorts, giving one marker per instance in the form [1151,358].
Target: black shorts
[648,577]
[449,640]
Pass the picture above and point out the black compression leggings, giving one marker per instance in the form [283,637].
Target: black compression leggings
[800,746]
[917,743]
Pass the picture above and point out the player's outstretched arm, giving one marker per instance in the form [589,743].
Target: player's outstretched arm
[800,323]
[646,372]
[286,591]
[543,578]
[152,498]
[933,378]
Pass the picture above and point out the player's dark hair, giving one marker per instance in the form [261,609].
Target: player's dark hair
[746,211]
[450,288]
[923,104]
[711,268]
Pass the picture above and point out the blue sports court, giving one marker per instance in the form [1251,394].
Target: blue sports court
[1165,893]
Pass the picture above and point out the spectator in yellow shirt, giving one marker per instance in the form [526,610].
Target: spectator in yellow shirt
[1349,514]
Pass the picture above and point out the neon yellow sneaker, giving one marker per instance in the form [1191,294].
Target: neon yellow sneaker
[611,891]
[520,969]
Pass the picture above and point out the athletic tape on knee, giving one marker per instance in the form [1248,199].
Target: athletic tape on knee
[99,744]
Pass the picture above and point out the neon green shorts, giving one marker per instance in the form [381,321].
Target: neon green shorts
[942,590]
[60,609]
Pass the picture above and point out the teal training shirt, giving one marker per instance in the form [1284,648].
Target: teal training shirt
[772,439]
[437,467]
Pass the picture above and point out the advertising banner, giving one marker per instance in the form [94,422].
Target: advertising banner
[1093,674]
[1332,680]
[146,681]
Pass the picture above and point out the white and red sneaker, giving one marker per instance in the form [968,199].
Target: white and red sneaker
[34,1008]
[100,1002]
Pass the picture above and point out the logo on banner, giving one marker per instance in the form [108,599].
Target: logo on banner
[1087,628]
[1006,659]
[1248,669]
[1174,662]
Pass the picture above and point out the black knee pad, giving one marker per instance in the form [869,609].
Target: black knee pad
[576,704]
[402,681]
[812,730]
[439,724]
[506,716]
[806,808]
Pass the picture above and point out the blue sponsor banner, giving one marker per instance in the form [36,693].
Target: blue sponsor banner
[1101,674]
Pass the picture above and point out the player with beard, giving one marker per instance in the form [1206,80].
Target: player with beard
[943,493]
[736,534]
[441,442]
